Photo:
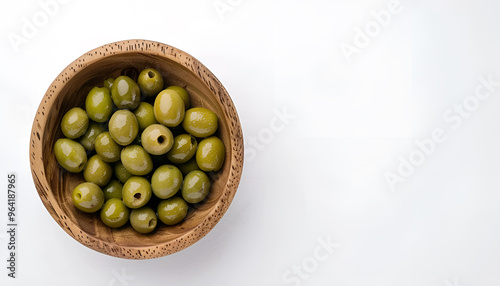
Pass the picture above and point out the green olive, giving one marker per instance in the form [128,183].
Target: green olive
[98,104]
[210,154]
[97,171]
[150,82]
[114,213]
[200,122]
[145,115]
[108,83]
[121,173]
[172,211]
[88,197]
[123,127]
[125,93]
[113,190]
[169,108]
[157,139]
[143,220]
[196,187]
[183,93]
[70,155]
[183,149]
[107,148]
[88,139]
[166,181]
[136,192]
[74,123]
[188,166]
[136,160]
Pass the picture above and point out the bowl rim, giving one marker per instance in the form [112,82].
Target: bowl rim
[235,139]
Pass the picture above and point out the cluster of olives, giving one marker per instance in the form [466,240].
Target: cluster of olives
[127,128]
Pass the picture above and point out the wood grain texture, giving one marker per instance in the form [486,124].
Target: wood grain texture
[69,89]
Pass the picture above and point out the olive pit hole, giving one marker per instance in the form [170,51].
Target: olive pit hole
[151,222]
[137,195]
[161,139]
[193,140]
[151,74]
[78,195]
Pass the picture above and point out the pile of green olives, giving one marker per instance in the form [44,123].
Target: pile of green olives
[143,151]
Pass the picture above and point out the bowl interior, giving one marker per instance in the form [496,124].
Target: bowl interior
[70,91]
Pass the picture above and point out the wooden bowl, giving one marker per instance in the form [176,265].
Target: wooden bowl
[69,89]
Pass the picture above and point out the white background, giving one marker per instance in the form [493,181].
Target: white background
[321,176]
